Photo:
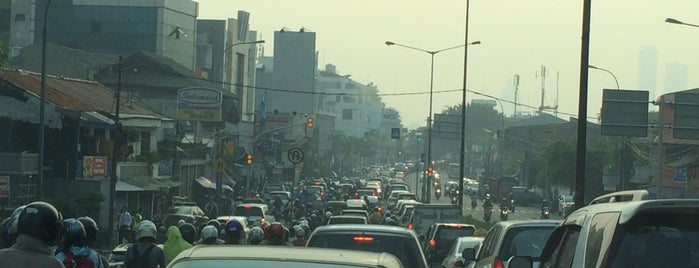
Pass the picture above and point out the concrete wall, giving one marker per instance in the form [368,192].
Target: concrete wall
[294,69]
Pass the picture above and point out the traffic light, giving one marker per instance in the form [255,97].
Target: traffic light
[249,159]
[310,122]
[430,172]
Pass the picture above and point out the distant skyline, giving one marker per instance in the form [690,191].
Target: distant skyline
[517,38]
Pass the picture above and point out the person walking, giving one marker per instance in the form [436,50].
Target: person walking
[125,222]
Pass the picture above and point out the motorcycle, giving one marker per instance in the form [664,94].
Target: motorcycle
[474,202]
[438,193]
[545,211]
[512,205]
[454,200]
[503,213]
[486,214]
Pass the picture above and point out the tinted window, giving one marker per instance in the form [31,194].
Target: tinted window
[524,241]
[447,234]
[600,236]
[489,243]
[403,247]
[247,211]
[347,221]
[565,251]
[658,239]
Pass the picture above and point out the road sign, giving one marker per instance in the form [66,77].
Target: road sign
[295,155]
[199,104]
[395,133]
[686,116]
[625,113]
[4,186]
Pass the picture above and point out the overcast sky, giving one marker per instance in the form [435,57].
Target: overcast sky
[517,38]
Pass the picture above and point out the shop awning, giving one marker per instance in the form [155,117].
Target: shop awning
[227,180]
[150,184]
[206,183]
[125,187]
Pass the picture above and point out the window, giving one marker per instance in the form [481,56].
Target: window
[565,252]
[489,243]
[95,27]
[347,114]
[600,236]
[338,98]
[524,241]
[20,17]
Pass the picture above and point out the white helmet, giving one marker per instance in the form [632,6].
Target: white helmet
[180,223]
[256,233]
[209,231]
[146,228]
[328,214]
[300,232]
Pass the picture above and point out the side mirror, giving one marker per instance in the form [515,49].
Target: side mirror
[468,254]
[520,262]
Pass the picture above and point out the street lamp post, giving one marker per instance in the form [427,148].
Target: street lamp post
[675,21]
[425,192]
[607,71]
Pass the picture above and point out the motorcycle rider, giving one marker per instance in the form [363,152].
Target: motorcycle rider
[300,234]
[376,216]
[144,250]
[474,201]
[38,228]
[91,229]
[437,193]
[209,236]
[73,245]
[256,235]
[188,232]
[234,233]
[276,235]
[8,231]
[277,206]
[175,243]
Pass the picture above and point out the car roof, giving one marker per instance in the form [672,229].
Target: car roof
[631,208]
[252,205]
[528,223]
[280,192]
[347,216]
[361,228]
[320,255]
[455,224]
[396,192]
[471,238]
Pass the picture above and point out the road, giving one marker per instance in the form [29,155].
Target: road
[521,213]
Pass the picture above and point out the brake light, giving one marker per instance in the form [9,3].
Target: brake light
[454,262]
[363,239]
[322,193]
[498,263]
[356,194]
[410,226]
[247,206]
[317,183]
[433,243]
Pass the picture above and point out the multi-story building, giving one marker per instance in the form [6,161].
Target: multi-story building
[166,28]
[648,70]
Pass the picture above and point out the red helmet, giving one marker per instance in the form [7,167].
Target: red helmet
[265,228]
[275,230]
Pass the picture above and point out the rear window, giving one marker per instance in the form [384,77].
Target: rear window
[525,241]
[247,211]
[447,234]
[658,239]
[403,247]
[347,221]
[407,196]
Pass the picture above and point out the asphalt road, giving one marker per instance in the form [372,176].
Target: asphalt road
[520,213]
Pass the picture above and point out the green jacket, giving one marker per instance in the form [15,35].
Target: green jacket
[174,244]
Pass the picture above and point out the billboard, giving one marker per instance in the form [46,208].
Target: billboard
[199,104]
[625,113]
[94,167]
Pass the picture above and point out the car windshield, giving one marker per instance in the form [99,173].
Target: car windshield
[657,240]
[403,247]
[283,197]
[525,241]
[346,220]
[215,263]
[247,211]
[407,196]
[185,211]
[447,234]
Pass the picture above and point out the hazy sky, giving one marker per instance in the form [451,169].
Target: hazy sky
[517,38]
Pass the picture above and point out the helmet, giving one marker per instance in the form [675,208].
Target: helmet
[73,234]
[328,214]
[256,235]
[299,231]
[208,232]
[8,233]
[180,223]
[189,232]
[40,220]
[214,223]
[389,221]
[234,231]
[91,228]
[146,229]
[276,230]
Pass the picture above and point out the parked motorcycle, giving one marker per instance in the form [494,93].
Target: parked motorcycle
[438,193]
[503,213]
[545,211]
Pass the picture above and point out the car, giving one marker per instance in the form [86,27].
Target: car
[316,190]
[356,212]
[255,213]
[118,255]
[404,214]
[397,186]
[366,192]
[335,205]
[440,236]
[356,204]
[401,203]
[510,238]
[189,213]
[283,195]
[347,219]
[408,196]
[393,197]
[273,257]
[624,229]
[398,241]
[453,257]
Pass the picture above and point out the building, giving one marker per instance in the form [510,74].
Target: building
[676,75]
[294,71]
[5,22]
[211,43]
[166,28]
[648,70]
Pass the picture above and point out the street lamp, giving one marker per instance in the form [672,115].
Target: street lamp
[608,71]
[429,117]
[228,48]
[675,21]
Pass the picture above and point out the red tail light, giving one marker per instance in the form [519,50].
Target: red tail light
[410,226]
[363,239]
[356,194]
[433,243]
[498,263]
[247,206]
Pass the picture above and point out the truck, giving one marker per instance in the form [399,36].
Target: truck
[424,215]
[502,186]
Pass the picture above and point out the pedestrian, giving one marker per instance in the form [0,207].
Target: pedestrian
[144,253]
[174,244]
[38,228]
[125,222]
[211,208]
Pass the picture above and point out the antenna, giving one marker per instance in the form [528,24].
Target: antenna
[516,82]
[555,108]
[543,107]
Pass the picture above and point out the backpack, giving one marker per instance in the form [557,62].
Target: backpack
[72,261]
[139,261]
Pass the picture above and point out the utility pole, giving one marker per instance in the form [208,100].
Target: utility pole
[581,153]
[115,155]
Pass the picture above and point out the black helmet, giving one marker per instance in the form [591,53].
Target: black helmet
[91,228]
[42,221]
[189,232]
[214,223]
[73,234]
